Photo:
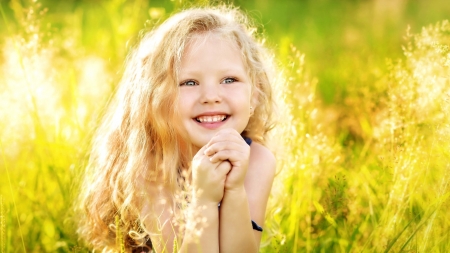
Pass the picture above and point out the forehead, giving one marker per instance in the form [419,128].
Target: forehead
[211,49]
[199,39]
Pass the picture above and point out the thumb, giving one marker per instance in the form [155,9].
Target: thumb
[223,168]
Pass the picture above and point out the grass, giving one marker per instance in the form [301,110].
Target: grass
[366,101]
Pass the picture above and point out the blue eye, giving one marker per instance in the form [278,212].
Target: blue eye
[188,83]
[229,80]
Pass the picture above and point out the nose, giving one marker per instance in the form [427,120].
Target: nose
[210,93]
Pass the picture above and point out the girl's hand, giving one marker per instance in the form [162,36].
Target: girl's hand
[228,145]
[208,178]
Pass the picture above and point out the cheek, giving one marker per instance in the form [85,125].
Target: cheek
[186,97]
[245,99]
[183,104]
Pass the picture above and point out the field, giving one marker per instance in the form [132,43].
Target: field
[362,143]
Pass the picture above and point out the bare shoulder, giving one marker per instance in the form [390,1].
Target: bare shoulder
[261,170]
[262,160]
[258,181]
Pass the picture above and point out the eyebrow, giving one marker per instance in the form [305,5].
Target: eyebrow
[224,70]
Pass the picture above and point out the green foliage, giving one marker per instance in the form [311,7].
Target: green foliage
[362,143]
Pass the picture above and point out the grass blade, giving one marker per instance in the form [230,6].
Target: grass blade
[12,196]
[398,236]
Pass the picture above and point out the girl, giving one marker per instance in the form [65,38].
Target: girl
[179,162]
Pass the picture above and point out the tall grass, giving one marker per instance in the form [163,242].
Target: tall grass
[49,97]
[369,173]
[372,176]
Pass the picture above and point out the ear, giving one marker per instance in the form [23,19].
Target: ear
[254,99]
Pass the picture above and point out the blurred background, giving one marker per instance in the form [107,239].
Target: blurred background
[365,99]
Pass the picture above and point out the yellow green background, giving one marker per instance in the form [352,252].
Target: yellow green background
[363,134]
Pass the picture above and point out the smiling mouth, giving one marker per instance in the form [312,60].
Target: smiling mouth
[211,119]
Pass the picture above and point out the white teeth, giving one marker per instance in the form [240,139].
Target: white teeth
[211,119]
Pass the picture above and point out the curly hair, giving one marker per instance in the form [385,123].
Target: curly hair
[138,140]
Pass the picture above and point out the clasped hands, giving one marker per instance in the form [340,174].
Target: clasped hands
[220,166]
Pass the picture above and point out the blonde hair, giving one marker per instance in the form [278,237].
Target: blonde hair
[138,139]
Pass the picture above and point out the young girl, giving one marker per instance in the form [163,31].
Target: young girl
[179,162]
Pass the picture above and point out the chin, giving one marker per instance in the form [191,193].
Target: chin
[199,143]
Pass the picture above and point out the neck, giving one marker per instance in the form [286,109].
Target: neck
[194,149]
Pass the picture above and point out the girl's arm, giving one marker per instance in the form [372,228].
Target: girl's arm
[247,189]
[163,233]
[201,232]
[241,205]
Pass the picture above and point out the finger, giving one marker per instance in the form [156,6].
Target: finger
[202,162]
[225,145]
[224,168]
[231,155]
[225,135]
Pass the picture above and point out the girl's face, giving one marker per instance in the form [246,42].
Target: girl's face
[215,90]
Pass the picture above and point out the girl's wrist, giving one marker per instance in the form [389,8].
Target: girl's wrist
[197,202]
[235,192]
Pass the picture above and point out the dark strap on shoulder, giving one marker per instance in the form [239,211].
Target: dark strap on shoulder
[256,227]
[247,140]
